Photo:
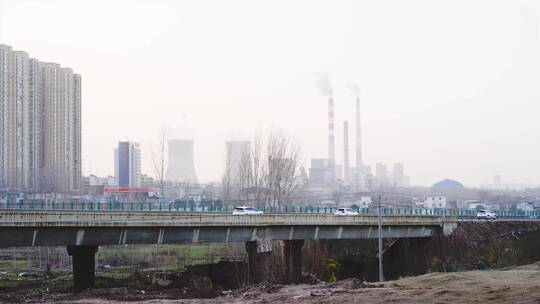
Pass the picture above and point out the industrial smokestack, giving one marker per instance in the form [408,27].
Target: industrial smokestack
[322,82]
[359,172]
[359,163]
[331,141]
[346,169]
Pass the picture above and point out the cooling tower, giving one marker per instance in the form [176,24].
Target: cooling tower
[181,167]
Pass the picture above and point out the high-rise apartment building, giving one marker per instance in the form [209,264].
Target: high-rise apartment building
[127,165]
[40,125]
[5,54]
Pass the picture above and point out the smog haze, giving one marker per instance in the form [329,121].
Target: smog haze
[448,88]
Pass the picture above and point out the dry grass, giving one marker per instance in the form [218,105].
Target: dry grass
[513,284]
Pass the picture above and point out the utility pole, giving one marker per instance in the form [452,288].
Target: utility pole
[381,275]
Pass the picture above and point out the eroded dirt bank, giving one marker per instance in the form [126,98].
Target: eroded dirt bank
[511,285]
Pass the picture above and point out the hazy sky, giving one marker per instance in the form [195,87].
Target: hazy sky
[449,88]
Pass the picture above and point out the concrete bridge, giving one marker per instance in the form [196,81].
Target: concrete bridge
[83,231]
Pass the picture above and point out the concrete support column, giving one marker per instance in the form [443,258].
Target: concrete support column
[259,263]
[292,259]
[84,264]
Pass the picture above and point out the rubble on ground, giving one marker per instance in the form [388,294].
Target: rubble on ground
[513,284]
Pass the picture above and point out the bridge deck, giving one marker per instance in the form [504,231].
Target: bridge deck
[64,228]
[197,219]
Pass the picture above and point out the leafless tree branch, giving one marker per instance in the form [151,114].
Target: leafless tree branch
[159,161]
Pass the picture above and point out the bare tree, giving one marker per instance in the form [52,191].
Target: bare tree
[252,171]
[159,160]
[259,171]
[237,178]
[245,175]
[283,165]
[266,174]
[227,177]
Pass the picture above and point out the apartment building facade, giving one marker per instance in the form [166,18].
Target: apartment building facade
[40,125]
[127,165]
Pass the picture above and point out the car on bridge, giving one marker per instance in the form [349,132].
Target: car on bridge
[346,211]
[246,210]
[486,214]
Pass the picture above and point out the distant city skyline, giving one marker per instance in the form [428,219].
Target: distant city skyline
[447,99]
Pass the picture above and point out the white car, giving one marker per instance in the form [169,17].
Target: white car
[345,211]
[246,210]
[485,214]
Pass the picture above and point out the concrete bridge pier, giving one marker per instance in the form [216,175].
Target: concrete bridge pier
[292,259]
[259,260]
[84,264]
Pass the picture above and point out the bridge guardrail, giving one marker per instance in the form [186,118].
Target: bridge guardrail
[218,207]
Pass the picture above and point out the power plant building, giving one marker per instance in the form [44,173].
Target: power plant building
[181,165]
[381,173]
[40,125]
[319,175]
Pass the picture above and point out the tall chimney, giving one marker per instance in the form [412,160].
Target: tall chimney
[331,143]
[346,169]
[359,164]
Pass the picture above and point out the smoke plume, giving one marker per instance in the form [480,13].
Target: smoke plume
[322,82]
[354,88]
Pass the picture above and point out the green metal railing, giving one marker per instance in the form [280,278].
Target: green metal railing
[215,206]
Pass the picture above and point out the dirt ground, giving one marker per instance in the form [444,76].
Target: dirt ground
[511,285]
